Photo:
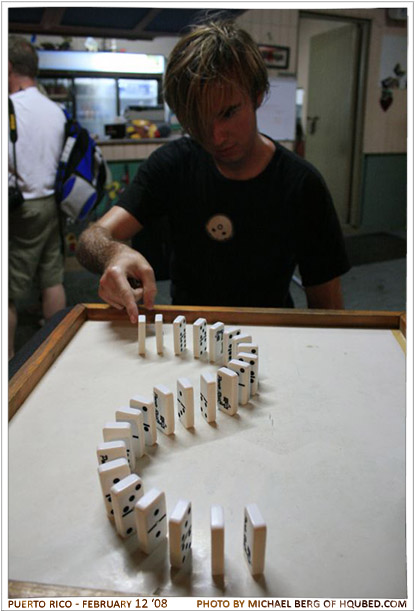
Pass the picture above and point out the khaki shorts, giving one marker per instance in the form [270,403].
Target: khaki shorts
[35,255]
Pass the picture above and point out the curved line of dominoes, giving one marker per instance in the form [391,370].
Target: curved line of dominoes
[136,427]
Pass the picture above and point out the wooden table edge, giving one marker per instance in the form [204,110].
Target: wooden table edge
[21,590]
[380,319]
[27,377]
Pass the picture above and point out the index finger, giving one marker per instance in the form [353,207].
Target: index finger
[127,297]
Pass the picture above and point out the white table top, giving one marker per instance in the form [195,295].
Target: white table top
[320,449]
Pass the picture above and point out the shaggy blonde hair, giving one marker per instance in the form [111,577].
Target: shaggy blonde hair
[213,59]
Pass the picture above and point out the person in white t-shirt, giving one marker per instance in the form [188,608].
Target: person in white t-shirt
[35,246]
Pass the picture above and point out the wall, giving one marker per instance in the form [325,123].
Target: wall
[273,27]
[384,192]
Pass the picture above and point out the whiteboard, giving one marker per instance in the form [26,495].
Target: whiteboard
[276,116]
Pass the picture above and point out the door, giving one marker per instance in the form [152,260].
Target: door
[331,111]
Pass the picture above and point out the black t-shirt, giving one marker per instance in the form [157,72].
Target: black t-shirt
[237,243]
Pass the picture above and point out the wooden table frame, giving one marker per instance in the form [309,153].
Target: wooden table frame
[32,371]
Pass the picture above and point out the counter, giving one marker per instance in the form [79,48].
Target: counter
[123,149]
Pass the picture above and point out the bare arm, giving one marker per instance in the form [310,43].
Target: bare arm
[327,295]
[100,251]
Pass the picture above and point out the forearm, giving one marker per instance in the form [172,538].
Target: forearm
[327,295]
[119,266]
[96,248]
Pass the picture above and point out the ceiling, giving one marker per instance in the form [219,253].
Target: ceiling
[130,23]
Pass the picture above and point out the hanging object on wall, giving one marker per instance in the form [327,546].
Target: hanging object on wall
[390,83]
[275,56]
[386,99]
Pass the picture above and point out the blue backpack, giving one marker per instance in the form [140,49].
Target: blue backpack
[82,172]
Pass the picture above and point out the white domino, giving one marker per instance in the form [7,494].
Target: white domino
[121,431]
[244,379]
[233,347]
[229,334]
[142,334]
[164,406]
[124,495]
[158,320]
[252,360]
[146,406]
[250,347]
[151,520]
[185,402]
[109,474]
[216,332]
[255,535]
[108,451]
[208,396]
[227,391]
[134,417]
[179,334]
[199,338]
[180,533]
[217,539]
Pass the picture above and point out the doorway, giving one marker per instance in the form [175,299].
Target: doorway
[331,72]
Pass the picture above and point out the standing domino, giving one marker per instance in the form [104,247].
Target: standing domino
[121,431]
[149,417]
[255,535]
[124,496]
[109,474]
[151,520]
[233,348]
[185,402]
[216,332]
[250,347]
[158,320]
[227,391]
[108,451]
[180,532]
[164,405]
[179,334]
[217,539]
[252,360]
[141,334]
[199,338]
[134,417]
[244,379]
[208,395]
[228,335]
